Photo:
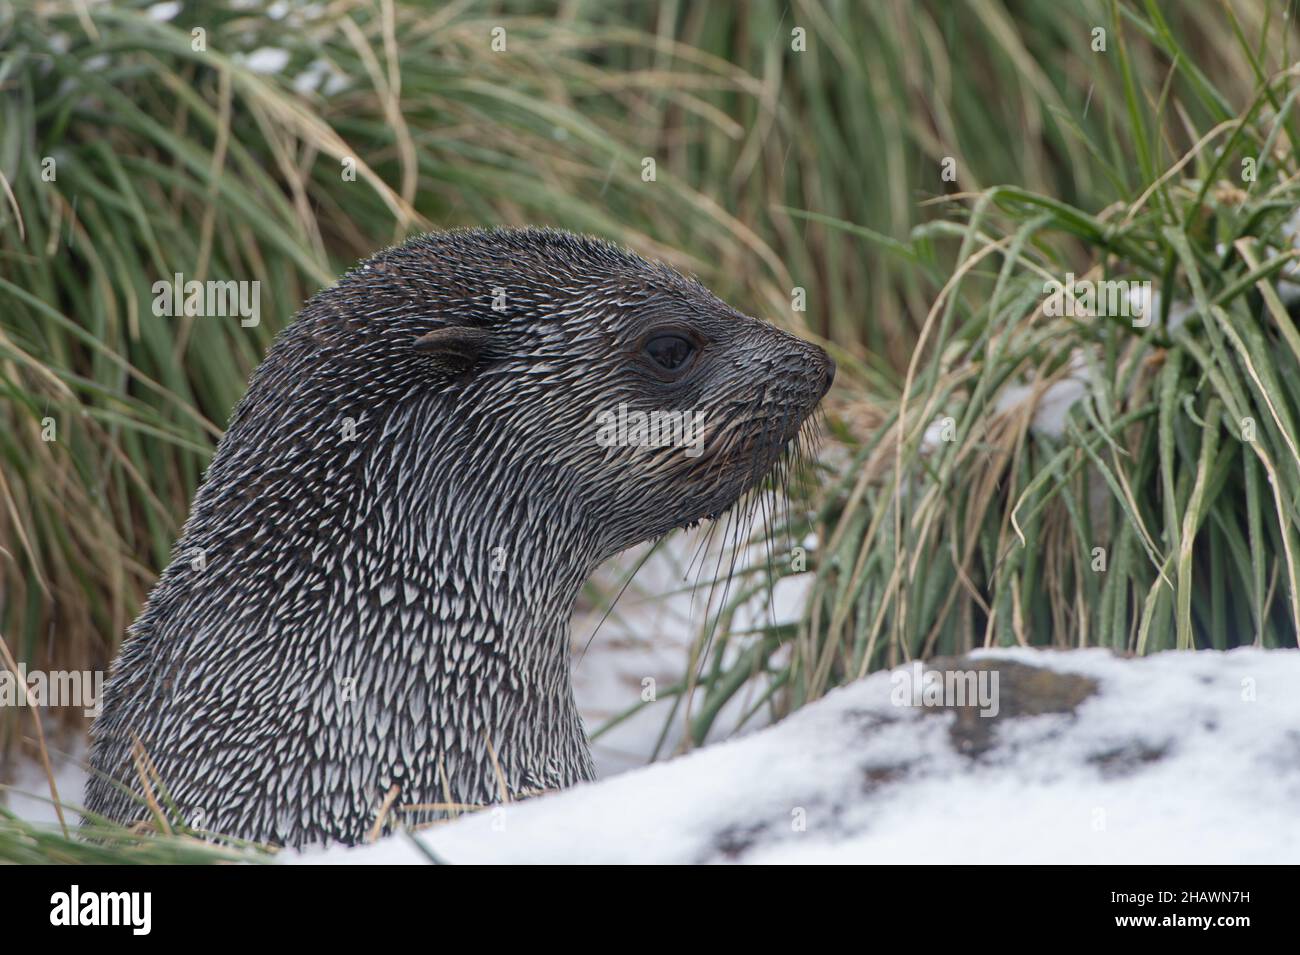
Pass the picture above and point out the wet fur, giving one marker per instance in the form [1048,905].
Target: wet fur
[393,610]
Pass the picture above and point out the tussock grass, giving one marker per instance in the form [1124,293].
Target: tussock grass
[26,843]
[1040,479]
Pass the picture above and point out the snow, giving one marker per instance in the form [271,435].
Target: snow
[1146,303]
[265,59]
[29,792]
[321,75]
[1053,402]
[163,12]
[1176,758]
[1288,289]
[649,636]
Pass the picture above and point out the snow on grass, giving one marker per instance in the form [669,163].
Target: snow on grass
[648,637]
[28,795]
[1179,757]
[265,59]
[163,12]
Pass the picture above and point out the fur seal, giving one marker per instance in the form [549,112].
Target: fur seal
[367,613]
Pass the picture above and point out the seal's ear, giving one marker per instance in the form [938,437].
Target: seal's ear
[454,348]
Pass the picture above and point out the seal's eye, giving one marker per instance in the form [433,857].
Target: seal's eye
[669,352]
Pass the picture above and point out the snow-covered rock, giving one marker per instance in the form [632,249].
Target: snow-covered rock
[1179,757]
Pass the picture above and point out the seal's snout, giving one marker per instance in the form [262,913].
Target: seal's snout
[804,370]
[828,371]
[816,368]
